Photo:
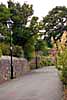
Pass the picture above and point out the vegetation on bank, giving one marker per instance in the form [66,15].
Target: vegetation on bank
[62,65]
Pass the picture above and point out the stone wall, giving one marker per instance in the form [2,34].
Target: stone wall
[20,67]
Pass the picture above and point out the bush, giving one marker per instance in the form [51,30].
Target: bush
[62,63]
[42,61]
[46,61]
[18,51]
[64,75]
[5,48]
[0,52]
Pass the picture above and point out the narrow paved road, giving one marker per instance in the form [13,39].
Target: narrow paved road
[41,84]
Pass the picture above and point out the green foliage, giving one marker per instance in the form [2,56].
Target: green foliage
[61,59]
[64,75]
[5,48]
[4,13]
[42,61]
[22,35]
[0,52]
[29,51]
[41,45]
[46,61]
[54,23]
[18,51]
[34,25]
[62,63]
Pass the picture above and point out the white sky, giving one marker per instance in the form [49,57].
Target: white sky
[41,7]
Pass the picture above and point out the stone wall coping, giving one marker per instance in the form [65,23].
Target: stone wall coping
[14,58]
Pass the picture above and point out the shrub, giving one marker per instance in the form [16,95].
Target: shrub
[5,48]
[29,51]
[64,75]
[62,63]
[18,51]
[46,61]
[42,61]
[0,52]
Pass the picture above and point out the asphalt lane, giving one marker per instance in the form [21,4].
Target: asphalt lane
[40,84]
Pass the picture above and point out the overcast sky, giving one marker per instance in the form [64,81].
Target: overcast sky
[41,7]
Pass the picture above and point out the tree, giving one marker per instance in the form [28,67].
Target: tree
[4,15]
[26,36]
[55,22]
[22,34]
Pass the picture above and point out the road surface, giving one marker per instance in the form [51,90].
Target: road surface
[41,84]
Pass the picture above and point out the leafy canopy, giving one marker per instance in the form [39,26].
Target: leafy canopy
[55,22]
